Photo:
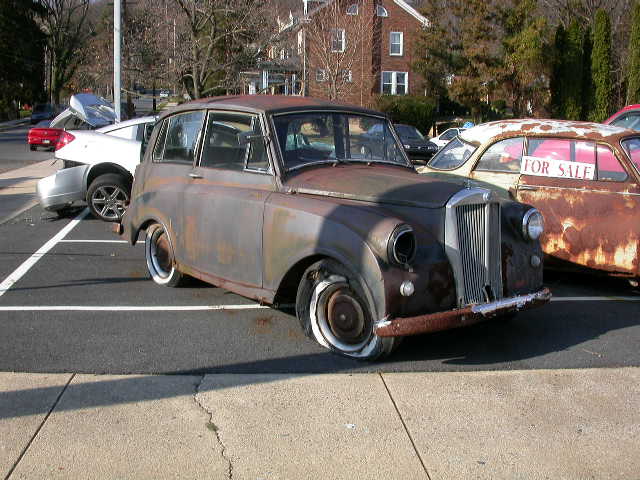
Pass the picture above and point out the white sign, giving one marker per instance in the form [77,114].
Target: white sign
[549,167]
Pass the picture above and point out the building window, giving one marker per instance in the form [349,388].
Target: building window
[381,11]
[346,76]
[395,83]
[396,43]
[352,9]
[337,40]
[321,75]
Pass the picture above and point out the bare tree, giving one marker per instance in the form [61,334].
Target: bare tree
[65,24]
[217,37]
[339,43]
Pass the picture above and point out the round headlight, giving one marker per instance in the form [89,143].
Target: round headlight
[532,224]
[402,245]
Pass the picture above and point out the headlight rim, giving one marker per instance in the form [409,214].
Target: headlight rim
[525,224]
[398,232]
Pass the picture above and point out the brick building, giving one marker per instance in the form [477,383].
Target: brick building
[347,50]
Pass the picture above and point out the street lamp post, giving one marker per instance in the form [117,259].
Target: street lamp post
[116,57]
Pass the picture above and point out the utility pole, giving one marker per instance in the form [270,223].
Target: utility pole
[117,36]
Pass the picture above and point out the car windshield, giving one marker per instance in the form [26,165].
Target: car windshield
[632,147]
[453,155]
[629,120]
[323,137]
[409,132]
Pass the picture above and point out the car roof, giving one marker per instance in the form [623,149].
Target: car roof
[127,123]
[548,128]
[270,104]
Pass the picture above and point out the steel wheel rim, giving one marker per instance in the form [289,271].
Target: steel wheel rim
[110,201]
[332,301]
[160,254]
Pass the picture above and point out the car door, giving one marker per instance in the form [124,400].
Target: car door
[167,174]
[225,200]
[590,203]
[498,167]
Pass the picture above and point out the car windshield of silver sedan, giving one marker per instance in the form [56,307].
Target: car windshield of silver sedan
[452,156]
[322,137]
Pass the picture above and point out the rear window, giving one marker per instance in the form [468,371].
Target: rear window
[452,156]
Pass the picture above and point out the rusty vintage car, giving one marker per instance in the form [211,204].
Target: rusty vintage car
[583,177]
[286,200]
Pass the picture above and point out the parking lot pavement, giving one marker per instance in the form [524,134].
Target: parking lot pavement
[87,305]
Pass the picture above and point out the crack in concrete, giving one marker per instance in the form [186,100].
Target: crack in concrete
[213,428]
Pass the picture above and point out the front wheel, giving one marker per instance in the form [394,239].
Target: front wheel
[108,197]
[158,252]
[333,310]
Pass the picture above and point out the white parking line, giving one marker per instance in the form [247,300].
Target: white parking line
[93,241]
[19,272]
[128,308]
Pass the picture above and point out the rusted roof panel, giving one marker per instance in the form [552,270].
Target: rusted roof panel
[548,128]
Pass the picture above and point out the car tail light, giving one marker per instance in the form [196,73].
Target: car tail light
[64,139]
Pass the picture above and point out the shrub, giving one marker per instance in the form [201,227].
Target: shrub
[412,110]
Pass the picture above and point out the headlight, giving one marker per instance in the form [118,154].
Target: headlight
[402,245]
[407,146]
[532,224]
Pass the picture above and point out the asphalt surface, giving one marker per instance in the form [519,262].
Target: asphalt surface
[45,330]
[14,150]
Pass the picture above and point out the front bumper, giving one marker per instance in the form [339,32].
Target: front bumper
[434,322]
[63,188]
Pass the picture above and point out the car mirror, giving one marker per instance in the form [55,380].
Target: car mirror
[244,138]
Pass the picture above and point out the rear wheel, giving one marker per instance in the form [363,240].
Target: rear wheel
[333,310]
[159,255]
[108,197]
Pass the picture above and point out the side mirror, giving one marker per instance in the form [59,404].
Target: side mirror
[245,138]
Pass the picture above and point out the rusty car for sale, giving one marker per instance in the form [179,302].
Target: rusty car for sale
[583,177]
[286,199]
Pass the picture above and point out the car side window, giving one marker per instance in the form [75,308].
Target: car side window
[158,149]
[503,156]
[182,133]
[609,168]
[560,158]
[632,147]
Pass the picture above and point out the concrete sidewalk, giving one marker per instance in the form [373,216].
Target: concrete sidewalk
[18,188]
[572,424]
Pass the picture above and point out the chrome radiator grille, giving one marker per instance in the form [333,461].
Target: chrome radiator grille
[473,243]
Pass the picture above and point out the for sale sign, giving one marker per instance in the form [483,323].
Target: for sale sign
[549,167]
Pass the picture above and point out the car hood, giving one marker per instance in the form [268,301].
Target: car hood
[375,183]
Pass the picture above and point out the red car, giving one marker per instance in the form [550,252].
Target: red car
[43,137]
[628,117]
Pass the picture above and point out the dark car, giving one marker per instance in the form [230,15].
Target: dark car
[417,147]
[42,111]
[298,207]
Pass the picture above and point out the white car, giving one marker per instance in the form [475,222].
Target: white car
[98,168]
[446,136]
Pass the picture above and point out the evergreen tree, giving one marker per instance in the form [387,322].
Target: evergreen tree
[601,67]
[555,85]
[21,54]
[633,54]
[587,81]
[571,79]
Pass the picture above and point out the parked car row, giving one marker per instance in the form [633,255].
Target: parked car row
[318,204]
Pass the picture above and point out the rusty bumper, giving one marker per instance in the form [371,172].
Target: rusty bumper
[462,317]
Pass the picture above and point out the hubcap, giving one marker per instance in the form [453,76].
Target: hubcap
[161,253]
[345,317]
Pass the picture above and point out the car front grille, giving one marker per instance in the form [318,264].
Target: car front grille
[473,244]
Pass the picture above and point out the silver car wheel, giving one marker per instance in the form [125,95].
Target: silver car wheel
[110,201]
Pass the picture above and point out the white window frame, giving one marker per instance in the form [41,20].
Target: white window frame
[346,76]
[339,37]
[352,9]
[394,82]
[381,11]
[321,75]
[391,44]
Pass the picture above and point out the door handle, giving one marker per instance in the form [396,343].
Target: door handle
[527,187]
[195,175]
